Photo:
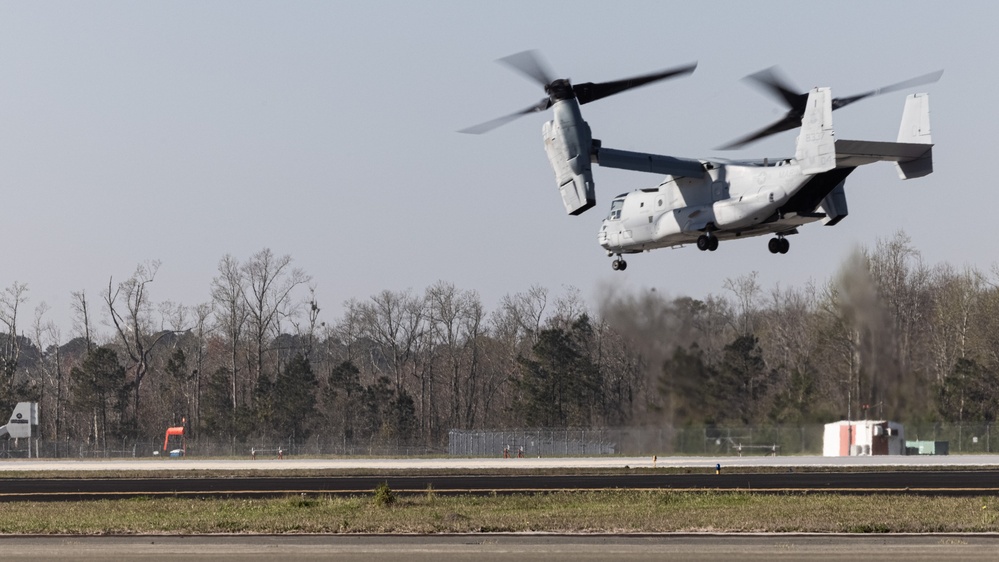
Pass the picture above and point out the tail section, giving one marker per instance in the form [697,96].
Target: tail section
[24,416]
[816,148]
[915,129]
[912,153]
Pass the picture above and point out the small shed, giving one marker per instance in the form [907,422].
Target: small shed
[867,437]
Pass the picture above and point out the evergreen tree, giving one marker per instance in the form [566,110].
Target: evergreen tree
[736,392]
[343,401]
[559,383]
[217,413]
[796,403]
[375,410]
[969,393]
[294,398]
[99,392]
[399,426]
[682,386]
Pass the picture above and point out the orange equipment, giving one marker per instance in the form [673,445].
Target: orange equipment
[178,432]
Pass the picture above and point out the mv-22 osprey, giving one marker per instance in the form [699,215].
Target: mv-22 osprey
[705,201]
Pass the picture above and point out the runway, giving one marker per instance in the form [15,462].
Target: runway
[751,547]
[418,464]
[925,475]
[924,482]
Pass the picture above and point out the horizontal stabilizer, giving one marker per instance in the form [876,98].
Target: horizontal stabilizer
[852,153]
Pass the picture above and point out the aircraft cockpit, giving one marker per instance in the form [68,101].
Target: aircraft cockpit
[615,210]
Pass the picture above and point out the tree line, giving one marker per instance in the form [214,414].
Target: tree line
[887,337]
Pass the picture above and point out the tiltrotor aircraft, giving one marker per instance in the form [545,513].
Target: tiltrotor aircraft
[704,202]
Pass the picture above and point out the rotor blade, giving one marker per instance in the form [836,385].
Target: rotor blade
[787,123]
[530,64]
[917,81]
[773,84]
[587,92]
[490,125]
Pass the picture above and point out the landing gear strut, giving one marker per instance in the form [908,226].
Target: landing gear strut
[778,245]
[619,264]
[707,242]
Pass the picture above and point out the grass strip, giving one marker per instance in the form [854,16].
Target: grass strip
[561,512]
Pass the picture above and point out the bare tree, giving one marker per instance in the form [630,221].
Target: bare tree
[956,300]
[10,354]
[569,307]
[231,314]
[393,321]
[81,322]
[522,315]
[347,330]
[787,339]
[308,332]
[269,282]
[903,283]
[173,316]
[132,320]
[202,315]
[747,292]
[851,324]
[455,321]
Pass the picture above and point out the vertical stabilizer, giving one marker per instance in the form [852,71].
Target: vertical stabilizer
[816,148]
[19,426]
[915,129]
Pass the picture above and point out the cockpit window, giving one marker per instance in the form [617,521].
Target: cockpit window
[615,211]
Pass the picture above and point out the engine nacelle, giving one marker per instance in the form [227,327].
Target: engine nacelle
[569,143]
[747,210]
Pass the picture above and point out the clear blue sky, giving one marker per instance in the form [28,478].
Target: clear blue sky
[182,131]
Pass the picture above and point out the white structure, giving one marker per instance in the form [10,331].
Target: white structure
[867,437]
[24,417]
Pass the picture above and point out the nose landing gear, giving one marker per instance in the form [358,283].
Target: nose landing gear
[619,264]
[778,245]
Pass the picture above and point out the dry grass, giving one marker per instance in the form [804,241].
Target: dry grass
[565,512]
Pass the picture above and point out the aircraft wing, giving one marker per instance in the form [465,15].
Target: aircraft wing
[643,162]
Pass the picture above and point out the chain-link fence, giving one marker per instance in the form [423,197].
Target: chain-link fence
[696,441]
[963,438]
[531,442]
[636,441]
[967,438]
[206,447]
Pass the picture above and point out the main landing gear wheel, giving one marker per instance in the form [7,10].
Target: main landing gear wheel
[707,242]
[619,265]
[778,245]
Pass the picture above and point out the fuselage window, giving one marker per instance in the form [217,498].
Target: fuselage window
[615,212]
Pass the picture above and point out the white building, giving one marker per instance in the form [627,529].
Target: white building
[867,437]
